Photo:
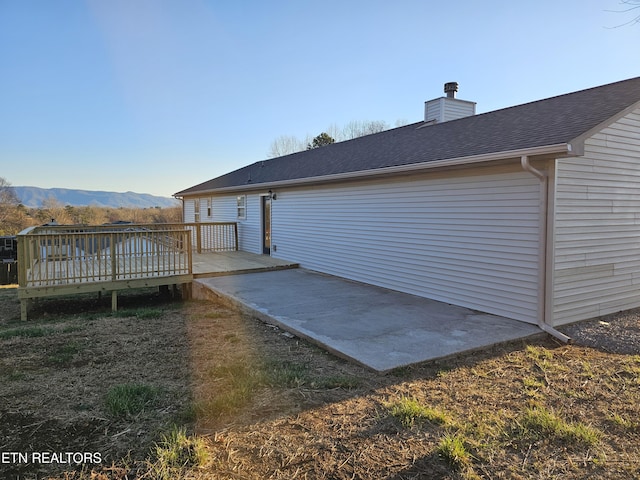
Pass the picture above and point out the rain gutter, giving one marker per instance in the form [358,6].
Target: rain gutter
[542,252]
[560,148]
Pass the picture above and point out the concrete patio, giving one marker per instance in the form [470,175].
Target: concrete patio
[375,327]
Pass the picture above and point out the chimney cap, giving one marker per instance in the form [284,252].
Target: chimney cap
[450,88]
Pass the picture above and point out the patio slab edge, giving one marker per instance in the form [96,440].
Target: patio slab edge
[272,268]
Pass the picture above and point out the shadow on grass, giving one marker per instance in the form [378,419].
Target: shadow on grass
[95,304]
[259,361]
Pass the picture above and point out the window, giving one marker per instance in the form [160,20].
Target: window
[196,210]
[241,201]
[209,203]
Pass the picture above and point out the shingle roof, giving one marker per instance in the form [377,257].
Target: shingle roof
[552,121]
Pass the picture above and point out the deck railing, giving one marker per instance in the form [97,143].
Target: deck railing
[206,237]
[54,257]
[68,254]
[213,236]
[63,259]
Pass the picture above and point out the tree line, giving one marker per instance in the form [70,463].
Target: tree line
[286,144]
[15,217]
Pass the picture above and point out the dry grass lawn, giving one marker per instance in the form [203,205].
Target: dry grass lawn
[253,403]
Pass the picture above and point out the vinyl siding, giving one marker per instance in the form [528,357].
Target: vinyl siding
[597,225]
[445,109]
[224,209]
[250,229]
[468,240]
[188,214]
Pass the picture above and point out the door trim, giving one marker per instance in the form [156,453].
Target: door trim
[266,211]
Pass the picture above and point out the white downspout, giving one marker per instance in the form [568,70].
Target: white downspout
[542,252]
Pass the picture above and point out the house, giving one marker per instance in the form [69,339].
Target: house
[8,248]
[8,256]
[530,212]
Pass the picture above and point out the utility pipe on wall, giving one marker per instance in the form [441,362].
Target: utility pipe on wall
[542,252]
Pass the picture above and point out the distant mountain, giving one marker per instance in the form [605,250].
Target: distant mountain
[33,197]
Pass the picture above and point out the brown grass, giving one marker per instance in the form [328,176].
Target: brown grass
[271,406]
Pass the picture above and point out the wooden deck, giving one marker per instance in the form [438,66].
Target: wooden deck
[63,260]
[67,259]
[234,263]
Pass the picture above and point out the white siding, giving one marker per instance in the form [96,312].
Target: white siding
[250,229]
[468,240]
[597,225]
[444,109]
[188,213]
[224,209]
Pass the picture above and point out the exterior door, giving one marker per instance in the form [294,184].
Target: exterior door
[266,225]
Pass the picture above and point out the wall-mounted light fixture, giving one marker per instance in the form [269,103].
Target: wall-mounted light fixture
[272,195]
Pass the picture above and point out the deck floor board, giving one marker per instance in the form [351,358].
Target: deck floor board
[236,262]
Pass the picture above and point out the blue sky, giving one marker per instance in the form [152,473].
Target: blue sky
[154,96]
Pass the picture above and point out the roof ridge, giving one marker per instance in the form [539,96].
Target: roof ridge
[550,121]
[561,95]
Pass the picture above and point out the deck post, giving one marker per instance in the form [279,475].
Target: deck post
[22,274]
[24,306]
[114,264]
[235,234]
[187,293]
[22,261]
[114,300]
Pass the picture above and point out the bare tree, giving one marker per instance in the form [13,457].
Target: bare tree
[54,211]
[631,6]
[94,215]
[7,191]
[7,195]
[334,131]
[284,145]
[10,216]
[359,128]
[167,215]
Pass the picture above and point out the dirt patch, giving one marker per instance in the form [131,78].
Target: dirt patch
[30,434]
[56,370]
[270,405]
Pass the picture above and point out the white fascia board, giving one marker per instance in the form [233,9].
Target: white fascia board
[559,149]
[578,142]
